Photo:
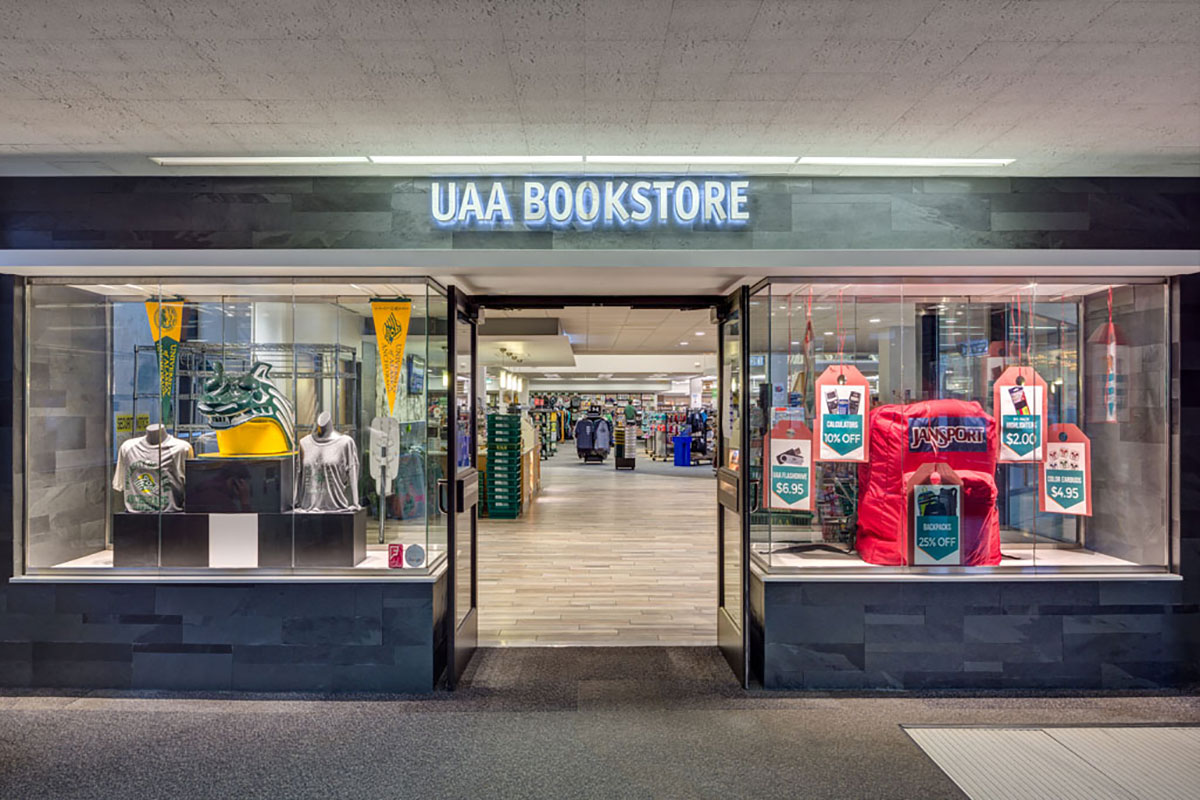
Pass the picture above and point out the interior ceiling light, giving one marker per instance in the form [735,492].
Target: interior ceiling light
[873,161]
[253,161]
[476,159]
[699,333]
[683,344]
[691,159]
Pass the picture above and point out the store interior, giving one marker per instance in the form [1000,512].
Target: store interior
[606,531]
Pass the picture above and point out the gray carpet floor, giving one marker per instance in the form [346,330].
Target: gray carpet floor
[553,723]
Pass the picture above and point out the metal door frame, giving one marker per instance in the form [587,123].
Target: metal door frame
[462,492]
[733,488]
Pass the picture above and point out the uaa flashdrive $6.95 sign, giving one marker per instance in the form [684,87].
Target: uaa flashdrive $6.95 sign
[789,487]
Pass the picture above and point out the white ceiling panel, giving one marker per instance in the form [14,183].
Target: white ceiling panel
[1098,87]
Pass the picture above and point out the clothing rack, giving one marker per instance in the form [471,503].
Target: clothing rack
[593,437]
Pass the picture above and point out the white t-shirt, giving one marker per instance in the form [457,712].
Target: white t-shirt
[328,474]
[151,475]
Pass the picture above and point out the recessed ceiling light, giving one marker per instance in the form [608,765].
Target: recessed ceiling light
[253,161]
[873,320]
[476,159]
[795,343]
[873,161]
[827,333]
[699,333]
[684,344]
[627,159]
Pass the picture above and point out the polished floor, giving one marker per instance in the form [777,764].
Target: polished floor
[603,557]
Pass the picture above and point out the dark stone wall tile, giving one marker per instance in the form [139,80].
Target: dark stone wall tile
[925,212]
[208,671]
[853,213]
[1040,220]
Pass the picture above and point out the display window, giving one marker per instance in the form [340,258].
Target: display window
[203,426]
[958,426]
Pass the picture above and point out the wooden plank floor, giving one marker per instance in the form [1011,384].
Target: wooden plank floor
[603,558]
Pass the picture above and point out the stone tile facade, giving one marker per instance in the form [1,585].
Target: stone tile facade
[392,636]
[785,213]
[1044,634]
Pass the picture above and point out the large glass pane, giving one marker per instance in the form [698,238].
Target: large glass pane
[231,423]
[437,409]
[932,353]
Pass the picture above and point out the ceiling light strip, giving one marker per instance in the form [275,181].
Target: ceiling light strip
[252,161]
[874,161]
[515,160]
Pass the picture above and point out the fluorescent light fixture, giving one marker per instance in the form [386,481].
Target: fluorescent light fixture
[827,333]
[253,161]
[699,333]
[684,344]
[476,159]
[874,161]
[691,159]
[873,320]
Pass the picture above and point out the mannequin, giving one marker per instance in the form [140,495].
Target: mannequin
[328,470]
[150,471]
[155,434]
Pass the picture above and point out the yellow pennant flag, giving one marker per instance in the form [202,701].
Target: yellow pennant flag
[166,326]
[391,331]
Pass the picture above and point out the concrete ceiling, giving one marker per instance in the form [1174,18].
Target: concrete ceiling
[1096,87]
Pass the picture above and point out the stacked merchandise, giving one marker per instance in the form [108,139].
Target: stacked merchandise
[624,437]
[503,480]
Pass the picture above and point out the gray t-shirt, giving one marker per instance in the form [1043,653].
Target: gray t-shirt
[151,475]
[329,474]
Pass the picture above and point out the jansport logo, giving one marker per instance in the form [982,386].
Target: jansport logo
[947,434]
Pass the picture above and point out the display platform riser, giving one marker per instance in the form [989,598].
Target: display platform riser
[239,485]
[280,540]
[137,538]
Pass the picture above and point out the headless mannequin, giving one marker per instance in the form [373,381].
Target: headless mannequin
[156,434]
[324,431]
[329,469]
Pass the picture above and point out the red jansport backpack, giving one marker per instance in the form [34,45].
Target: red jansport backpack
[903,437]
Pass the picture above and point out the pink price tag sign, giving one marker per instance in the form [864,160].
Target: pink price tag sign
[395,556]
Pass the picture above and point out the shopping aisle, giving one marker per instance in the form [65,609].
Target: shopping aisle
[603,558]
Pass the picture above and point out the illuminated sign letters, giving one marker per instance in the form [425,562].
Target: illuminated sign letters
[590,203]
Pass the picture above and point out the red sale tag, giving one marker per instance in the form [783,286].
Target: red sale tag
[395,556]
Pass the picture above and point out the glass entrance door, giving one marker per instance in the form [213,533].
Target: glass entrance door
[733,484]
[463,484]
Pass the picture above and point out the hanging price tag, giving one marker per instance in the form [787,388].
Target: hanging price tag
[789,485]
[1019,405]
[1067,472]
[936,495]
[843,401]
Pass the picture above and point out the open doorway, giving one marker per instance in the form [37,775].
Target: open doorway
[597,521]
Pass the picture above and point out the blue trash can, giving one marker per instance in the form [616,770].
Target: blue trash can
[683,451]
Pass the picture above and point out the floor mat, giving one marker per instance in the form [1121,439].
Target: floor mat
[1088,763]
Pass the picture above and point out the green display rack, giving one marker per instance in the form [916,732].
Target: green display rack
[502,480]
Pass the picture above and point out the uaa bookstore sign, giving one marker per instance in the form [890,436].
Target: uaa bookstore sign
[590,203]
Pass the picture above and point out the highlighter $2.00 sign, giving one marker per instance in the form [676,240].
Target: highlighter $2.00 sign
[842,403]
[1019,398]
